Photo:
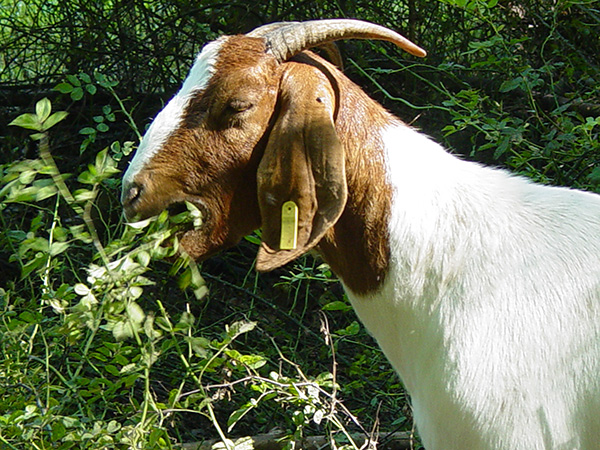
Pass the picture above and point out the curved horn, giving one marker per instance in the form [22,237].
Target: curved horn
[263,30]
[287,39]
[330,49]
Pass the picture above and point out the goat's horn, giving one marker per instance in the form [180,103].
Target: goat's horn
[263,30]
[288,39]
[332,52]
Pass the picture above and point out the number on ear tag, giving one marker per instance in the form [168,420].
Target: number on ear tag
[289,226]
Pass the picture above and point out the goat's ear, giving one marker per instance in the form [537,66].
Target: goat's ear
[303,163]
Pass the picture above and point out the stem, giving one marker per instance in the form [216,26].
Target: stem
[124,111]
[55,173]
[213,419]
[46,276]
[85,213]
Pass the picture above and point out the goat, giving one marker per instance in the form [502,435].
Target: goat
[481,288]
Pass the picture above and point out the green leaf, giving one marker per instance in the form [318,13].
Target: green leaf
[45,192]
[251,361]
[113,426]
[594,176]
[27,176]
[58,431]
[37,136]
[112,370]
[43,108]
[135,312]
[87,131]
[136,292]
[73,80]
[86,178]
[253,239]
[511,85]
[186,321]
[122,330]
[60,234]
[27,120]
[58,247]
[185,279]
[237,415]
[241,327]
[102,160]
[84,195]
[77,94]
[337,306]
[143,258]
[350,330]
[39,261]
[64,88]
[102,127]
[200,346]
[54,119]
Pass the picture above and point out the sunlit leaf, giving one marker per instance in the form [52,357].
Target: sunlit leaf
[58,247]
[54,119]
[141,224]
[27,120]
[43,108]
[81,289]
[135,312]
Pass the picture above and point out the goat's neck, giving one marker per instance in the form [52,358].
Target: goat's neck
[357,247]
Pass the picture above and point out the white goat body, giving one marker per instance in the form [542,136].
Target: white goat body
[491,309]
[482,289]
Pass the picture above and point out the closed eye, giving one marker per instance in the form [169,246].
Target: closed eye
[238,106]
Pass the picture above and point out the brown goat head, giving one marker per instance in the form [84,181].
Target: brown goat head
[250,130]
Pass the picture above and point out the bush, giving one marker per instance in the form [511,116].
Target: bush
[97,354]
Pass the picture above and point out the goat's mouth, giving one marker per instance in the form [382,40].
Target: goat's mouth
[177,208]
[189,214]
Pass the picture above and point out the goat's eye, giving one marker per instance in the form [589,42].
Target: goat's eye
[238,105]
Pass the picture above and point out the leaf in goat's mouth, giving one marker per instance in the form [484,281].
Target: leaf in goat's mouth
[195,213]
[141,223]
[185,212]
[180,213]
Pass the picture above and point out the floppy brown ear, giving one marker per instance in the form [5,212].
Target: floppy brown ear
[303,163]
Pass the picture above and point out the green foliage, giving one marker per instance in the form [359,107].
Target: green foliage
[86,329]
[40,121]
[528,123]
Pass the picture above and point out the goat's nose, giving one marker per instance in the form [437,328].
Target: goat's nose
[130,193]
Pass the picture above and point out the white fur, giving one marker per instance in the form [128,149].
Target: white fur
[169,119]
[491,310]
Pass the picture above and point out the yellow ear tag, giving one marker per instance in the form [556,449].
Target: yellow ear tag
[289,226]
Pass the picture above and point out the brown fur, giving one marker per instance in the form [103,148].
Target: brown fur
[357,247]
[213,160]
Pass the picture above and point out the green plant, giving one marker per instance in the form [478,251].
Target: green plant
[86,335]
